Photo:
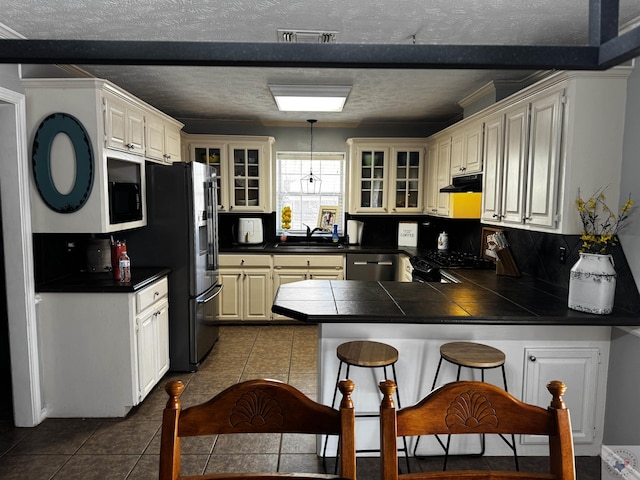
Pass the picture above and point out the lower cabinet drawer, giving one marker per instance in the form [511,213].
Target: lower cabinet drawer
[151,294]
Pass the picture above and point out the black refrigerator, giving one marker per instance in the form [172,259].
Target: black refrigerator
[182,234]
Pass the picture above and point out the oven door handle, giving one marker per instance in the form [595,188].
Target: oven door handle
[209,294]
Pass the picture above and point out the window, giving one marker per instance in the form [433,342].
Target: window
[290,168]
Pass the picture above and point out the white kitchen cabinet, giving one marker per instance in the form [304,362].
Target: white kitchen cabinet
[243,166]
[466,149]
[387,175]
[438,175]
[295,268]
[214,154]
[577,367]
[523,150]
[124,125]
[102,352]
[152,325]
[162,140]
[407,176]
[246,287]
[109,127]
[546,142]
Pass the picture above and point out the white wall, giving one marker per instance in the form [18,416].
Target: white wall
[630,181]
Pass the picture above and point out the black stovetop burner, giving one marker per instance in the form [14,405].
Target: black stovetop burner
[454,259]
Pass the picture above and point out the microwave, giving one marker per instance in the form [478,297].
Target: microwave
[125,202]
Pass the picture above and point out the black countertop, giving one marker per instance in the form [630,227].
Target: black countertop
[314,249]
[85,282]
[482,297]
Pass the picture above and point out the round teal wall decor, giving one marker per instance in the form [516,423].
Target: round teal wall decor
[50,127]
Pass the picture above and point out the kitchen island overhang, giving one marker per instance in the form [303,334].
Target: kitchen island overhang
[550,341]
[482,298]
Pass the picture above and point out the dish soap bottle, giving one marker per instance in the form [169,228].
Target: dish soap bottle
[335,237]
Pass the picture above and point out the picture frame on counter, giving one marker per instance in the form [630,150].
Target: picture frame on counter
[328,216]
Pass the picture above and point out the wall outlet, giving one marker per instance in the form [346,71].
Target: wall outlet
[563,255]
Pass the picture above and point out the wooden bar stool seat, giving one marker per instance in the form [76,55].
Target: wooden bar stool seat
[367,354]
[478,356]
[472,355]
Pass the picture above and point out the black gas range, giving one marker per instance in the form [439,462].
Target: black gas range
[426,267]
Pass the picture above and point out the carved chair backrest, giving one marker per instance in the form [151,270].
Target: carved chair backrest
[469,407]
[257,406]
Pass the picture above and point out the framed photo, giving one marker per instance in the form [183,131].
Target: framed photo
[488,253]
[327,216]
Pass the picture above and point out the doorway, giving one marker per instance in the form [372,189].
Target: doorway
[19,293]
[6,400]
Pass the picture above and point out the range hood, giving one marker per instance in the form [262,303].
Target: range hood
[464,183]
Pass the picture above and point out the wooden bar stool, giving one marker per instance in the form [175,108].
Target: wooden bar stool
[478,356]
[367,354]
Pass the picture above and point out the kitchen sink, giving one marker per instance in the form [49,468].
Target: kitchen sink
[309,245]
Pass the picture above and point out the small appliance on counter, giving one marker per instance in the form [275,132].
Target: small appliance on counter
[249,231]
[354,231]
[99,255]
[443,241]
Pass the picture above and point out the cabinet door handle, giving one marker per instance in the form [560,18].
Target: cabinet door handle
[532,358]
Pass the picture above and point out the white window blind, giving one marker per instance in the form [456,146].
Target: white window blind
[305,207]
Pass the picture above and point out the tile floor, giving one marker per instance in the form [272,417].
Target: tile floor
[128,448]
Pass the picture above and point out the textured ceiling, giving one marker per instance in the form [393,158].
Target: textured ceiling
[226,93]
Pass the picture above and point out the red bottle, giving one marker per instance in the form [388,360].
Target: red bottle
[117,247]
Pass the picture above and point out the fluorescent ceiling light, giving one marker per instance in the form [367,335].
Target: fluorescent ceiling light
[310,98]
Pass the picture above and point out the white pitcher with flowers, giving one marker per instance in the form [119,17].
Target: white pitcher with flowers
[592,281]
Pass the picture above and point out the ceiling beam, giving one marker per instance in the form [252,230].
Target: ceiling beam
[621,49]
[603,21]
[107,52]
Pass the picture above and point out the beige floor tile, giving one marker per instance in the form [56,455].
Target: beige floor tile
[301,363]
[243,463]
[121,438]
[211,383]
[97,467]
[57,436]
[23,467]
[281,376]
[247,443]
[301,463]
[307,383]
[298,443]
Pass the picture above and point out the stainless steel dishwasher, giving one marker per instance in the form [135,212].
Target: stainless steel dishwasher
[371,266]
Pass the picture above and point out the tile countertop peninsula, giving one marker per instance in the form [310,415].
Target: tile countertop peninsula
[482,298]
[86,282]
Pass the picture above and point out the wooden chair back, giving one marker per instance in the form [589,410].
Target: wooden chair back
[257,406]
[469,407]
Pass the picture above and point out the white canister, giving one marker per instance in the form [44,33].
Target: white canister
[443,241]
[592,284]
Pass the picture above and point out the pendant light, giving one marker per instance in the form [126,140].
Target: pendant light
[310,183]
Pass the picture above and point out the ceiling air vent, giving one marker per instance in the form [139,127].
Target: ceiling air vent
[306,36]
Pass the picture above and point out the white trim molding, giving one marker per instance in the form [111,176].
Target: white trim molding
[19,268]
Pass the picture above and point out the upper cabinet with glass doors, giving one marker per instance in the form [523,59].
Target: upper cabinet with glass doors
[243,169]
[386,175]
